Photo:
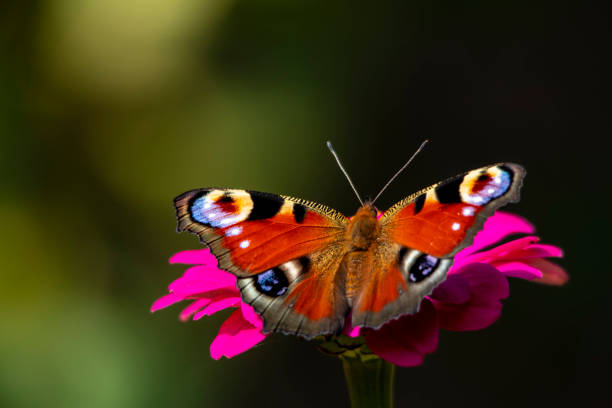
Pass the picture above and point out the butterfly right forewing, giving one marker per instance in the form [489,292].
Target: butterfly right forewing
[421,234]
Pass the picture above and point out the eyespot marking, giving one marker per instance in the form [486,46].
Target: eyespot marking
[220,208]
[424,266]
[479,187]
[272,282]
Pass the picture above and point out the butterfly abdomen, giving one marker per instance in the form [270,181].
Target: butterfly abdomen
[361,233]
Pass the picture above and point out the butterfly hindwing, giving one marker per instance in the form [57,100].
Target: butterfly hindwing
[420,235]
[284,251]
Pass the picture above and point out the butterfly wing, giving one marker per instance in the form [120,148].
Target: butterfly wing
[420,235]
[284,251]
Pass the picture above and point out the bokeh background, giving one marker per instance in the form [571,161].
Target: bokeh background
[109,109]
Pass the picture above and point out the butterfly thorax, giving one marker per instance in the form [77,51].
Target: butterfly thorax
[361,233]
[362,229]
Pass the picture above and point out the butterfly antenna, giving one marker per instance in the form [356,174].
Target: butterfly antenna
[331,149]
[400,170]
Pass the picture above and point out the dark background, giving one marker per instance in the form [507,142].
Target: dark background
[109,109]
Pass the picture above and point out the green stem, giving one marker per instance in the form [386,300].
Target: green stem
[370,382]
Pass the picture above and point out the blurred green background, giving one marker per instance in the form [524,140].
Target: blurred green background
[109,109]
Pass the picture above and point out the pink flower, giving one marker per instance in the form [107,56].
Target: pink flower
[469,299]
[212,290]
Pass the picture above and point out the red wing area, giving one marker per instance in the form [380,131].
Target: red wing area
[382,289]
[255,246]
[318,296]
[313,302]
[285,252]
[436,230]
[250,232]
[443,219]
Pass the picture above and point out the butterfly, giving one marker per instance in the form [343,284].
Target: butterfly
[305,268]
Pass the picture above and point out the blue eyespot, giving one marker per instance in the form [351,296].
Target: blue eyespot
[423,267]
[488,188]
[272,282]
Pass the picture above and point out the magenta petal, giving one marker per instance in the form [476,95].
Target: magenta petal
[166,301]
[236,335]
[485,282]
[194,257]
[251,316]
[387,350]
[522,249]
[552,274]
[518,270]
[353,331]
[216,305]
[200,279]
[405,341]
[496,227]
[487,287]
[504,251]
[208,272]
[193,308]
[455,289]
[539,251]
[349,329]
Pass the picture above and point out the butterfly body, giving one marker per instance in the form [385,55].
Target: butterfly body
[305,267]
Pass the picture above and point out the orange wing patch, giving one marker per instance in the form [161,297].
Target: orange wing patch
[250,232]
[442,219]
[255,246]
[317,296]
[383,288]
[437,229]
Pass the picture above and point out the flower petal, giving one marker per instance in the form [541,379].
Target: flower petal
[518,270]
[198,279]
[236,335]
[455,289]
[194,257]
[405,341]
[504,251]
[166,301]
[217,304]
[487,287]
[539,251]
[552,274]
[251,316]
[193,308]
[496,227]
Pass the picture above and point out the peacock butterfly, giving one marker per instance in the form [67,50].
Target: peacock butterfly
[304,267]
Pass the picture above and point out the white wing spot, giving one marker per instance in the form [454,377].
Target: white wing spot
[245,244]
[467,211]
[232,232]
[456,226]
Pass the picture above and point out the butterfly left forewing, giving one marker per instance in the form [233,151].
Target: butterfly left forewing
[420,235]
[284,251]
